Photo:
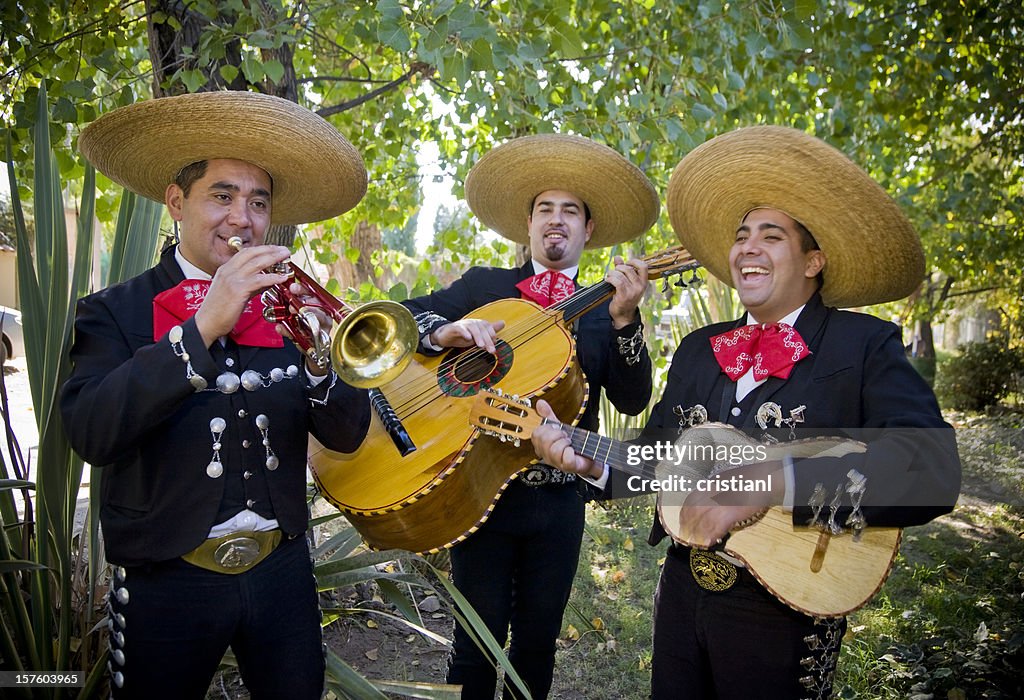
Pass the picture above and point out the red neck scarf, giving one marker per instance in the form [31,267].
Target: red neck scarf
[547,288]
[180,303]
[771,350]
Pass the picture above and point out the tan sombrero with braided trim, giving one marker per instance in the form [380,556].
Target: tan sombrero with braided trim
[501,187]
[873,254]
[317,174]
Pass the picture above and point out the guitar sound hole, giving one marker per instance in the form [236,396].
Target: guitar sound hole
[472,367]
[466,372]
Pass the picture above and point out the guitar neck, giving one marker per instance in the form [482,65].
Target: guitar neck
[667,262]
[605,450]
[584,300]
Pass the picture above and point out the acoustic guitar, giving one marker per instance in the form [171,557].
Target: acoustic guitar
[810,569]
[442,482]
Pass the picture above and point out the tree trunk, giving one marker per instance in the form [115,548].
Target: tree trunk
[167,48]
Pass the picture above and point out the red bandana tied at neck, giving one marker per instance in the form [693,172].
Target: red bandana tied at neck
[771,350]
[547,288]
[180,303]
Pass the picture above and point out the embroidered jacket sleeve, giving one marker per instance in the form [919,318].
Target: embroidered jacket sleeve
[910,471]
[444,306]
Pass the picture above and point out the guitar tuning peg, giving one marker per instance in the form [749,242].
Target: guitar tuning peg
[515,442]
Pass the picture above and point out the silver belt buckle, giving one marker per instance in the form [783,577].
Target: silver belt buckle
[237,552]
[536,475]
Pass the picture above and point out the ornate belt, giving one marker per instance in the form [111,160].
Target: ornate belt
[234,553]
[543,475]
[710,571]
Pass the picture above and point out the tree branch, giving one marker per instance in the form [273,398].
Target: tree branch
[415,68]
[339,78]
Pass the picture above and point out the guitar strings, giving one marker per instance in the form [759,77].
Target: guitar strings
[424,388]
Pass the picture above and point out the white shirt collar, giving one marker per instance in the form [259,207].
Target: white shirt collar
[190,271]
[789,319]
[746,383]
[569,272]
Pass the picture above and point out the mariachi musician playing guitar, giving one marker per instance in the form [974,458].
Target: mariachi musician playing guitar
[798,230]
[558,194]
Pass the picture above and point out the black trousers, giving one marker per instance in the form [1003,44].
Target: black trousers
[517,571]
[736,644]
[171,623]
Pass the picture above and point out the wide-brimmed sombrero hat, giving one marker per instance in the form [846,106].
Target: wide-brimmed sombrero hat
[501,187]
[317,174]
[873,254]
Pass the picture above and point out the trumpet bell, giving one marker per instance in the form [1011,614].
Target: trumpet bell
[374,344]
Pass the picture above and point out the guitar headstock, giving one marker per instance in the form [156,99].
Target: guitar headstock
[508,418]
[670,261]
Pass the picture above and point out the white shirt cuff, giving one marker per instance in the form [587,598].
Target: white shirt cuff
[599,482]
[789,478]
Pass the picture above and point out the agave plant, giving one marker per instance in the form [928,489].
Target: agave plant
[49,572]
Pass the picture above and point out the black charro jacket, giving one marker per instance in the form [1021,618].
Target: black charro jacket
[129,407]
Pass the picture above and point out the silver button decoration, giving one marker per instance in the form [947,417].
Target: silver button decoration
[245,444]
[228,383]
[247,475]
[197,381]
[118,657]
[119,679]
[217,427]
[122,596]
[251,380]
[119,638]
[263,423]
[175,334]
[250,503]
[242,413]
[120,620]
[121,574]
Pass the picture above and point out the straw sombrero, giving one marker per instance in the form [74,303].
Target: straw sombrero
[317,174]
[502,185]
[873,254]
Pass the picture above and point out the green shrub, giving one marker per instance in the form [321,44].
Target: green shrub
[980,376]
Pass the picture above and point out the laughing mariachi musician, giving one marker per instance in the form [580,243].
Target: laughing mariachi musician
[196,407]
[798,230]
[556,194]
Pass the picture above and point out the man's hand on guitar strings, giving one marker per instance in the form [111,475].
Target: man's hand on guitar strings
[467,332]
[554,447]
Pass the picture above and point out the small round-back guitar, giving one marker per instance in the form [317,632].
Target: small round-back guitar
[810,569]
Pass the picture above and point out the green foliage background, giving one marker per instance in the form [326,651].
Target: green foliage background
[926,95]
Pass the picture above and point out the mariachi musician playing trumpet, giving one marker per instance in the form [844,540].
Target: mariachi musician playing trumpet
[557,194]
[197,408]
